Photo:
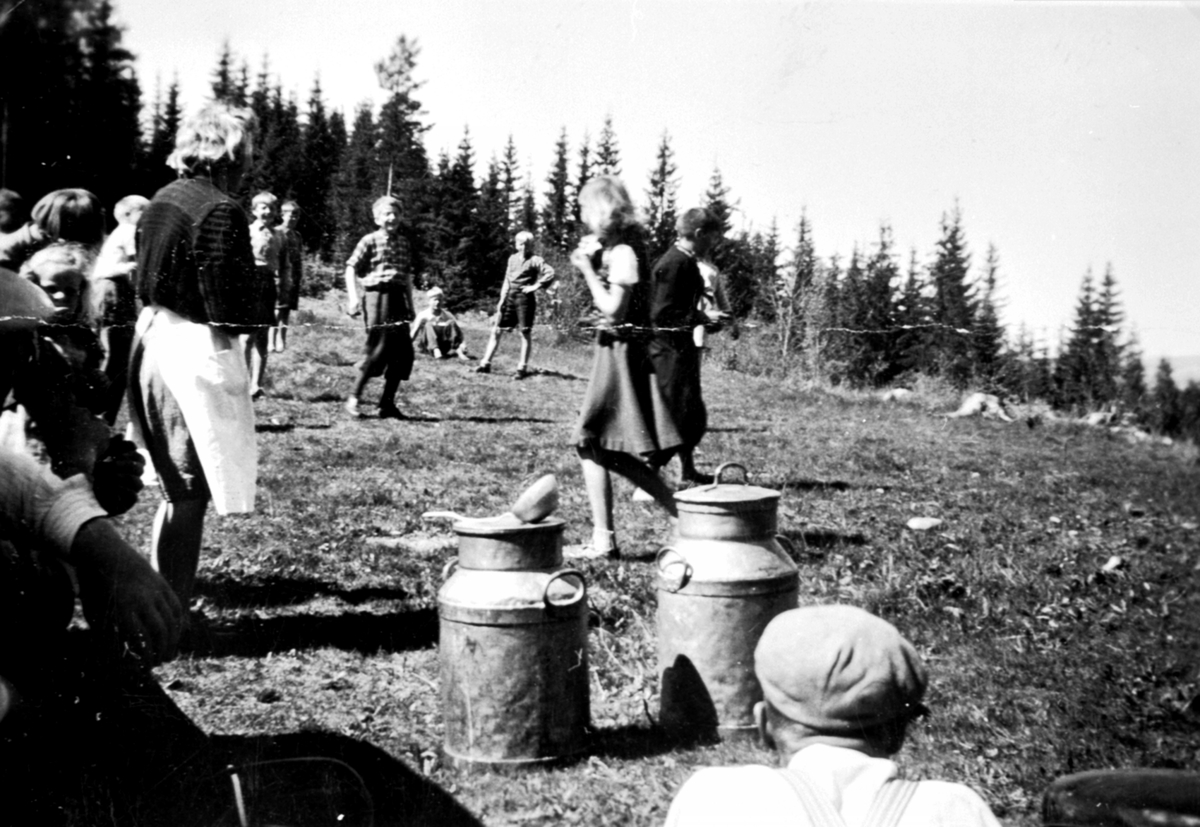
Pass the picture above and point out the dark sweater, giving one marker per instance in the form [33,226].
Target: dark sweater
[194,257]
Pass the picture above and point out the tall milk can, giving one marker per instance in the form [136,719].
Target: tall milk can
[512,646]
[724,579]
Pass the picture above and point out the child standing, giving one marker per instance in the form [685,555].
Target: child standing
[381,261]
[624,422]
[293,263]
[525,275]
[267,244]
[114,297]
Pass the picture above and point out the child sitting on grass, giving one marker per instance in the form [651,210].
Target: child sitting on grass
[436,331]
[381,261]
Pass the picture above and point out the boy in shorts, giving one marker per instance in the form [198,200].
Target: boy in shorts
[526,274]
[381,261]
[267,243]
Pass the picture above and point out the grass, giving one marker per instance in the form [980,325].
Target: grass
[1044,660]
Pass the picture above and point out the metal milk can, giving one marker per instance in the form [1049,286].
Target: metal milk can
[512,646]
[724,579]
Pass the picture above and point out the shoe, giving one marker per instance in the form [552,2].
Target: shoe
[483,367]
[352,407]
[521,373]
[257,393]
[390,412]
[587,551]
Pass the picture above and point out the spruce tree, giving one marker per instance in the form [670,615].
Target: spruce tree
[314,191]
[528,218]
[355,183]
[1106,345]
[874,360]
[223,79]
[509,176]
[912,321]
[988,333]
[556,212]
[953,304]
[661,205]
[608,156]
[1075,373]
[1133,377]
[583,174]
[1165,414]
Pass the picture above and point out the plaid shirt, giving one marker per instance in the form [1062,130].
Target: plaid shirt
[381,259]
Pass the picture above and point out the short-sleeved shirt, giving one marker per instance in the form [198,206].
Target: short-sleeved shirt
[381,259]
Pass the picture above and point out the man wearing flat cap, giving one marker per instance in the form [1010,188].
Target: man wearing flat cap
[840,687]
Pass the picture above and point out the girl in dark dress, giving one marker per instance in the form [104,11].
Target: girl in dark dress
[624,421]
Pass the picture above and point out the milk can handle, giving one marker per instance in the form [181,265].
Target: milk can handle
[662,570]
[787,544]
[550,604]
[449,568]
[721,469]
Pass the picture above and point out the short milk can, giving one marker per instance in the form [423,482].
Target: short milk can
[512,646]
[724,579]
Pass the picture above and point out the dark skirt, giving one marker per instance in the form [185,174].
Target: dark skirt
[624,409]
[389,349]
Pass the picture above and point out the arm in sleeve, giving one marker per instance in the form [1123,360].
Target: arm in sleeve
[40,510]
[545,274]
[285,269]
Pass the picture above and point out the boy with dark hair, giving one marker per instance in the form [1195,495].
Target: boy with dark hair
[381,261]
[677,289]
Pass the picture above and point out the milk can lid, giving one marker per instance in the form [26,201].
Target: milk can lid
[727,494]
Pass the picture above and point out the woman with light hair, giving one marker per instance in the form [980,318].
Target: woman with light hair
[624,422]
[189,395]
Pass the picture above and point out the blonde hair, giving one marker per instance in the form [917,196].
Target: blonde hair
[70,215]
[605,199]
[66,256]
[265,197]
[523,236]
[382,203]
[217,134]
[125,207]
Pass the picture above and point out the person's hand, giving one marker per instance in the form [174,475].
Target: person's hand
[117,476]
[353,308]
[128,605]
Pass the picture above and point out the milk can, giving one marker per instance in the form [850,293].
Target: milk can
[512,646]
[720,584]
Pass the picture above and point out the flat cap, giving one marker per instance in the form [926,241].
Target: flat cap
[839,669]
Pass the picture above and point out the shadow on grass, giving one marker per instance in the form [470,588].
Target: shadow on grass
[814,542]
[401,796]
[635,741]
[255,637]
[556,374]
[288,591]
[500,420]
[288,427]
[746,429]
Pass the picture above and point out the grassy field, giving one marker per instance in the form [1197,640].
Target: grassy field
[1056,605]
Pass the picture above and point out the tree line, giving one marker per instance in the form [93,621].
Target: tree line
[78,118]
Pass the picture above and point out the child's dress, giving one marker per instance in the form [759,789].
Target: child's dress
[623,409]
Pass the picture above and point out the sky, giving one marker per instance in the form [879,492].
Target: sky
[1068,133]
